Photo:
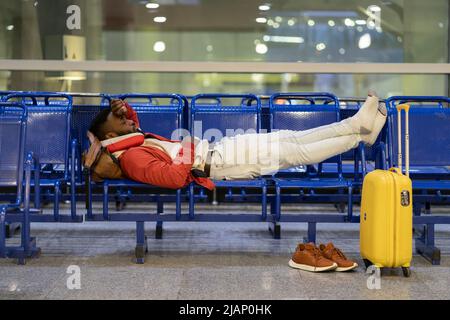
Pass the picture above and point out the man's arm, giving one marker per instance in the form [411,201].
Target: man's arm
[120,107]
[140,164]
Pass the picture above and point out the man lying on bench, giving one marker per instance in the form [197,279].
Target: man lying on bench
[156,160]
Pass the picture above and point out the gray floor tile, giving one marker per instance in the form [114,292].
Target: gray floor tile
[242,283]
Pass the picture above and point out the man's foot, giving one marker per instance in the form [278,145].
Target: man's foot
[309,258]
[332,253]
[363,120]
[380,119]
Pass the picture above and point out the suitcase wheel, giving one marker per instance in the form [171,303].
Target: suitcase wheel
[406,271]
[367,263]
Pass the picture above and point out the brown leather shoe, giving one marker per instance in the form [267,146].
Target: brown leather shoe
[309,258]
[329,251]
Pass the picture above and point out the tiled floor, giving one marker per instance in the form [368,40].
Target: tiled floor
[207,261]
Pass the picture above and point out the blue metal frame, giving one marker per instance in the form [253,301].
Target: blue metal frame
[27,248]
[433,189]
[391,104]
[250,104]
[70,152]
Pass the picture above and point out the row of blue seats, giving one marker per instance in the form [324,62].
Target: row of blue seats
[58,135]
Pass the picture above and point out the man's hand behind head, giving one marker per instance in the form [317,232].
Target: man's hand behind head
[118,107]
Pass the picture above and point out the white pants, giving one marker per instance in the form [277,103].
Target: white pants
[251,155]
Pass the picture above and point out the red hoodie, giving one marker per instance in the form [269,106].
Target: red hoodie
[153,166]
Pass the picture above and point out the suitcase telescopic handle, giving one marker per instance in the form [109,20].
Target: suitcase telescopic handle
[401,107]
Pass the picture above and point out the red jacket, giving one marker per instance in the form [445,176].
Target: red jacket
[153,166]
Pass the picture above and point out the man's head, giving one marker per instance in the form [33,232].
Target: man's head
[110,123]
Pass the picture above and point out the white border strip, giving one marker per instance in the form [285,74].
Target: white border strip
[224,67]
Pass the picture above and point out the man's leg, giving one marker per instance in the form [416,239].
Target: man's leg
[294,154]
[262,158]
[250,155]
[360,123]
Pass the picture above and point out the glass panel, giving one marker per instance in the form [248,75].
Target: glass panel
[343,85]
[232,30]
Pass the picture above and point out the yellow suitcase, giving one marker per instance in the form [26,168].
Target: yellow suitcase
[386,213]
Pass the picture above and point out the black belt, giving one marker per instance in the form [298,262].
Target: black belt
[208,163]
[206,170]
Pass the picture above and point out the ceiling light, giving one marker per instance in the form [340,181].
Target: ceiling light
[209,48]
[284,39]
[276,25]
[365,41]
[349,22]
[10,27]
[360,22]
[311,22]
[152,6]
[331,23]
[278,19]
[342,51]
[261,48]
[160,19]
[264,7]
[257,77]
[321,46]
[374,8]
[261,20]
[159,46]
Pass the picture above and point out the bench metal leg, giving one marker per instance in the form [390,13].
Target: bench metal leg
[11,229]
[141,242]
[159,224]
[311,233]
[105,200]
[417,209]
[274,225]
[264,203]
[27,247]
[427,208]
[178,205]
[37,188]
[275,229]
[350,204]
[2,233]
[191,201]
[56,200]
[425,245]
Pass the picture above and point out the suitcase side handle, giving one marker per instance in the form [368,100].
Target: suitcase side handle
[404,107]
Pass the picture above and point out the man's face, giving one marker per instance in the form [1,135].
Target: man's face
[118,125]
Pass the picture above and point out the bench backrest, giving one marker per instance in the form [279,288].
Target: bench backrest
[162,114]
[213,116]
[48,126]
[13,120]
[429,125]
